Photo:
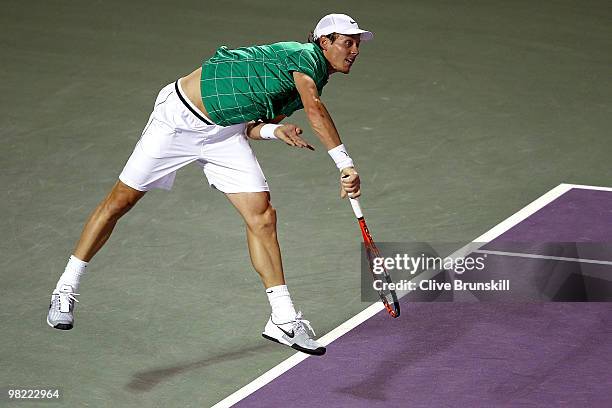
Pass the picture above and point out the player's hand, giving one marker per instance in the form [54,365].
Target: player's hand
[349,183]
[290,134]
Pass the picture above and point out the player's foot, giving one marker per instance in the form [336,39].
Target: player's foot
[294,334]
[61,309]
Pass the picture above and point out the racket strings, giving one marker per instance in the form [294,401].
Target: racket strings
[373,254]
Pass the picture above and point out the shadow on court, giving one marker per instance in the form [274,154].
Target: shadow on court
[434,337]
[145,381]
[437,333]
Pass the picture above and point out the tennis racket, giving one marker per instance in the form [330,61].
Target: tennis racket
[388,297]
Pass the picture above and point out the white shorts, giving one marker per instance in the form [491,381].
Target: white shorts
[178,134]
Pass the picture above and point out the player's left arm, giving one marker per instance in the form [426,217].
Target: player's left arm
[254,126]
[288,133]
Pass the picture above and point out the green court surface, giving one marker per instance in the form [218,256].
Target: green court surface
[457,114]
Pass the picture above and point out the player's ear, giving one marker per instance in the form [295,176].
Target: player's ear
[324,41]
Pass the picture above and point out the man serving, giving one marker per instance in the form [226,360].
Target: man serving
[206,117]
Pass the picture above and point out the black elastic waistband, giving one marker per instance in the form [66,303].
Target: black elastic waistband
[188,106]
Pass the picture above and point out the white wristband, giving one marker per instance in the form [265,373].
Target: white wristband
[267,131]
[341,157]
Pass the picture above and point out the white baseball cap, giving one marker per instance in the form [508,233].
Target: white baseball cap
[341,24]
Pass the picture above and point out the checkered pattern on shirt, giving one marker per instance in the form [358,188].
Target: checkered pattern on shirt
[256,82]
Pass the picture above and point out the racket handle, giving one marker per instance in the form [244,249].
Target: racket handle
[355,204]
[356,207]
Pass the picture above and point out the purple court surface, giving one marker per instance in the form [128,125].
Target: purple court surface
[525,354]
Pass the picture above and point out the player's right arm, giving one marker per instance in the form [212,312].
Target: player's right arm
[318,116]
[323,125]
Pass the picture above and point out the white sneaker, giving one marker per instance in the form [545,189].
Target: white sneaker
[61,309]
[294,334]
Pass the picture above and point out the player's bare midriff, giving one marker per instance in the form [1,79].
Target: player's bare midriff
[191,86]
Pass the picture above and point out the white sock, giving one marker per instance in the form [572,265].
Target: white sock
[282,306]
[72,274]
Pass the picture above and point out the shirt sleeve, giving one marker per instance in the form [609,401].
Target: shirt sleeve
[303,61]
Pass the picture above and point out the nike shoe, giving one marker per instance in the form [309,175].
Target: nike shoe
[61,309]
[294,334]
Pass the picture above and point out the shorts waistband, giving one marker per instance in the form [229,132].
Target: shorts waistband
[189,105]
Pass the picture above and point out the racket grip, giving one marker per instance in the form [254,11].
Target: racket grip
[356,207]
[355,204]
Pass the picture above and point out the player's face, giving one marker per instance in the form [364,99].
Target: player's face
[342,53]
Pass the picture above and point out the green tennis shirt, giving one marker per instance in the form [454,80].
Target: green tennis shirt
[256,82]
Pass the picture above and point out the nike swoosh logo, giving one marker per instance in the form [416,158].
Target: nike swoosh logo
[287,333]
[352,22]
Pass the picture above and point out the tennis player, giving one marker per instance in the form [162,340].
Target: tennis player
[206,118]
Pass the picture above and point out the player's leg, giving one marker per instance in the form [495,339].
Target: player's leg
[260,220]
[231,167]
[160,152]
[96,232]
[103,219]
[284,326]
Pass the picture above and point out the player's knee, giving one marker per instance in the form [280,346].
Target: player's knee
[115,205]
[265,221]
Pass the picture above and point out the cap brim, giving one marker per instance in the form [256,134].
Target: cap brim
[365,35]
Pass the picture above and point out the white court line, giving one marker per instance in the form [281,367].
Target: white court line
[535,256]
[371,310]
[520,216]
[588,187]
